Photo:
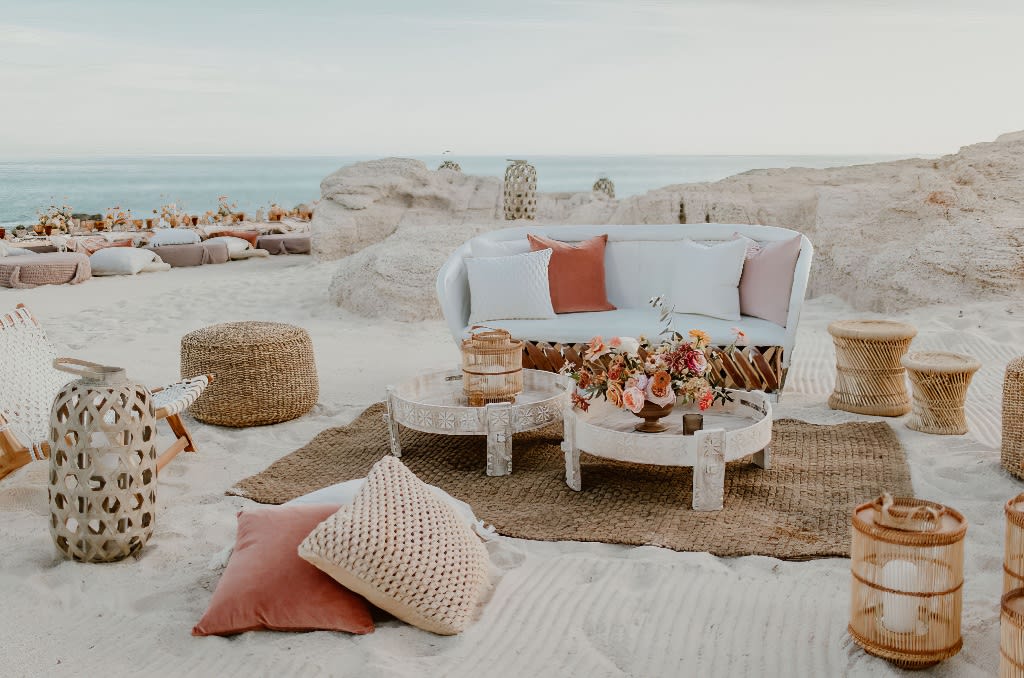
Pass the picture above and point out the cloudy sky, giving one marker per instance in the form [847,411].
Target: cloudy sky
[486,77]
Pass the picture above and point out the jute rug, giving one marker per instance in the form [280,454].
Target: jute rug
[798,510]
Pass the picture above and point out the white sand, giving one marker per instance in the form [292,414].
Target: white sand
[559,609]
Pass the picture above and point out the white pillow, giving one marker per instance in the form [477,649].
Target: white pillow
[345,494]
[499,248]
[507,288]
[235,245]
[706,279]
[120,260]
[173,236]
[8,251]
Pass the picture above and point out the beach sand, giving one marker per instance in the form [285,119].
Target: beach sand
[558,609]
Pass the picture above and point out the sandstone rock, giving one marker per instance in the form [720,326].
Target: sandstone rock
[366,202]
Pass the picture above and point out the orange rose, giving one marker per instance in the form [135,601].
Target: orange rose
[614,394]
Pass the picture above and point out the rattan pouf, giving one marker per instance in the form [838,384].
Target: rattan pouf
[869,376]
[264,373]
[1012,454]
[940,382]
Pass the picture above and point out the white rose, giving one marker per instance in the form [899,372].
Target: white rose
[627,345]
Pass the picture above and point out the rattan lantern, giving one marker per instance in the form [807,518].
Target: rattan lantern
[520,190]
[103,464]
[605,185]
[492,367]
[450,165]
[907,562]
[1011,635]
[1013,558]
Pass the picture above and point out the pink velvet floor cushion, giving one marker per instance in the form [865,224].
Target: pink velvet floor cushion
[266,585]
[575,273]
[767,280]
[33,270]
[285,243]
[193,255]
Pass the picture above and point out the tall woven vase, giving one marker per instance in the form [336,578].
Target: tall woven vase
[103,459]
[520,191]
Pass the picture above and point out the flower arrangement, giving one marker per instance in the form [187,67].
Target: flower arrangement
[117,219]
[225,210]
[173,215]
[631,372]
[58,218]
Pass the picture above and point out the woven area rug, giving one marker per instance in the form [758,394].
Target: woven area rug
[799,509]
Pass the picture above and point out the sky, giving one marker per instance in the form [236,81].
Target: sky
[517,77]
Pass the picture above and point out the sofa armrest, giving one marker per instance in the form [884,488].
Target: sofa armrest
[453,291]
[801,274]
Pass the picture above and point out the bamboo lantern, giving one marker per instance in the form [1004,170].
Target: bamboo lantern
[103,464]
[450,165]
[907,562]
[1011,635]
[605,185]
[1013,558]
[492,367]
[520,191]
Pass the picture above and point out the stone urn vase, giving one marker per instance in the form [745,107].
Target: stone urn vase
[103,464]
[652,415]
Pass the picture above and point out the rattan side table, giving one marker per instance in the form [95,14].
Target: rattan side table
[869,376]
[265,372]
[940,382]
[1012,450]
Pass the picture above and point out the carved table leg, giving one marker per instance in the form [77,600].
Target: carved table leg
[572,453]
[499,438]
[764,458]
[396,445]
[709,471]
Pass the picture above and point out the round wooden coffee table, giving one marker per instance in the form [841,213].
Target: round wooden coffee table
[434,403]
[731,431]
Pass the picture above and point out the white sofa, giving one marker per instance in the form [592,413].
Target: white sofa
[636,269]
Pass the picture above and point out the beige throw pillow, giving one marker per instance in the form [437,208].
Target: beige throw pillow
[404,550]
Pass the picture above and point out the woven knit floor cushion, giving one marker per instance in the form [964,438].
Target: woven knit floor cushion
[404,550]
[285,243]
[33,270]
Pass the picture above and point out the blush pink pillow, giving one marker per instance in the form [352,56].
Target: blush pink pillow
[266,585]
[767,279]
[575,273]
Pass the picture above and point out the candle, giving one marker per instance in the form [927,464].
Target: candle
[692,423]
[900,612]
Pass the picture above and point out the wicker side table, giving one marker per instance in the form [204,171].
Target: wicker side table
[1012,451]
[869,376]
[265,372]
[940,382]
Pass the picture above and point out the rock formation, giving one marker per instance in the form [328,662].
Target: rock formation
[887,236]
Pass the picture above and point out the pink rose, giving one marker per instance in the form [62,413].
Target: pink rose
[696,362]
[638,381]
[633,399]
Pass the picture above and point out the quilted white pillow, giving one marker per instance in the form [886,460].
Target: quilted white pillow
[498,248]
[404,550]
[707,279]
[235,245]
[120,260]
[509,288]
[173,236]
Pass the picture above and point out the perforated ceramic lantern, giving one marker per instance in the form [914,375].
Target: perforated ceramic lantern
[492,367]
[103,464]
[520,190]
[907,562]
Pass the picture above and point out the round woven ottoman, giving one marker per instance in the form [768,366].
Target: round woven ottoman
[869,376]
[264,373]
[940,382]
[1012,452]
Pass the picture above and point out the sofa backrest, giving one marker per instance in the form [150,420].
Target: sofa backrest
[637,264]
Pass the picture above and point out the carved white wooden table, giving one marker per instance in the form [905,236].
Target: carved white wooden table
[434,403]
[731,431]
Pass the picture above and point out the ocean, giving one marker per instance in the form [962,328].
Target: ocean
[143,183]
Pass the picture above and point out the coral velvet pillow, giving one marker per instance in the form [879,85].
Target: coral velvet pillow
[575,274]
[267,586]
[767,280]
